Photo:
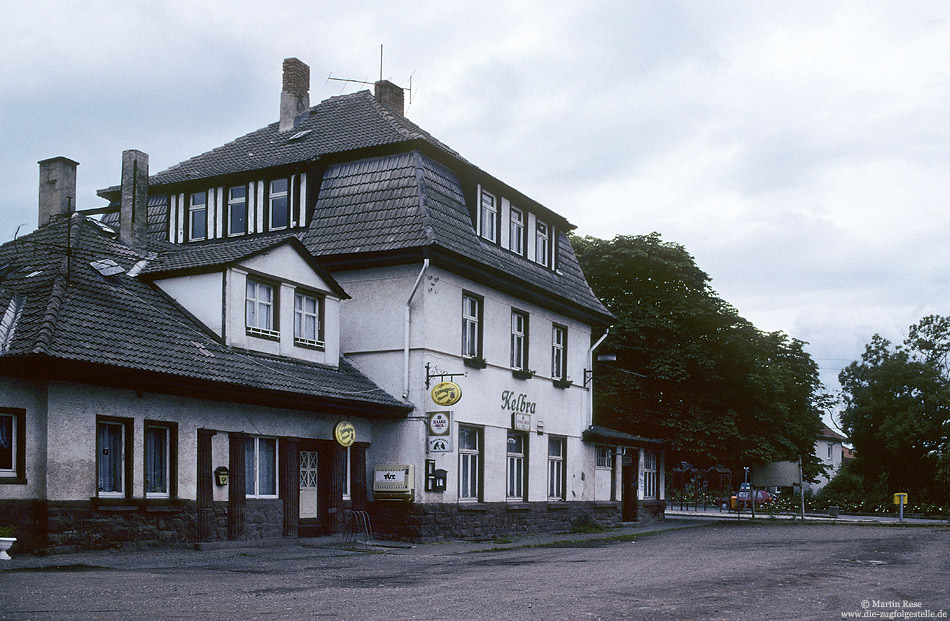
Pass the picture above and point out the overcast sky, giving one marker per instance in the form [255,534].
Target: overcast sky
[800,151]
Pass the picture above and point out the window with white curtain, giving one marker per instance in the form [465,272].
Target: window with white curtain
[260,467]
[157,461]
[516,465]
[111,458]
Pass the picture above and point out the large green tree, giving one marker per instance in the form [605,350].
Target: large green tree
[896,411]
[689,369]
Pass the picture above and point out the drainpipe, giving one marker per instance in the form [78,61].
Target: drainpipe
[405,351]
[590,394]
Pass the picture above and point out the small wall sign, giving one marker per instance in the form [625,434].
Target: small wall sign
[345,433]
[521,422]
[439,424]
[446,393]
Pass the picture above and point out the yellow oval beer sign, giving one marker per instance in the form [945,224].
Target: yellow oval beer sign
[446,393]
[345,433]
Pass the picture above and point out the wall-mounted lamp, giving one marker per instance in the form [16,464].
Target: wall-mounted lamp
[589,373]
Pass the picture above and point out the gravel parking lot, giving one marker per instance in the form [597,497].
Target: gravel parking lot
[694,570]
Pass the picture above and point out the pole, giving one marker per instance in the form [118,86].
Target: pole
[801,486]
[902,509]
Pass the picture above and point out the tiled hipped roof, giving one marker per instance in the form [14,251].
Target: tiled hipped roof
[336,125]
[409,200]
[73,314]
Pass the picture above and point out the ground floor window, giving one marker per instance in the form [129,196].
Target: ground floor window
[12,424]
[649,474]
[112,457]
[604,457]
[516,465]
[260,467]
[555,468]
[469,463]
[160,459]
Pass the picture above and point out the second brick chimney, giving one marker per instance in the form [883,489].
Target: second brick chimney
[393,96]
[133,214]
[294,94]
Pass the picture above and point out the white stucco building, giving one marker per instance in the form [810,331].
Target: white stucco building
[327,269]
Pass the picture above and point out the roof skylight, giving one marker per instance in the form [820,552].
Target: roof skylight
[10,318]
[107,267]
[299,135]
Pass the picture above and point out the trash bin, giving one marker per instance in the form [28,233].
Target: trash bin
[733,502]
[833,511]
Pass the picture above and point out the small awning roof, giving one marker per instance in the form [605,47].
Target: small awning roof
[605,435]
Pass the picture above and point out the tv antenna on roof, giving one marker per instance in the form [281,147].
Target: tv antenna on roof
[352,81]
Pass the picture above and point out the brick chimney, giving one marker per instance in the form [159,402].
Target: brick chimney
[57,188]
[133,214]
[391,95]
[295,94]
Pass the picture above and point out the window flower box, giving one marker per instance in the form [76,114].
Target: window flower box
[474,362]
[522,374]
[563,383]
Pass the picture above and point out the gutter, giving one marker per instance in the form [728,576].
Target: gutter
[590,393]
[405,351]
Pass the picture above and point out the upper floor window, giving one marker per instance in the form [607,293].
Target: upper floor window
[260,467]
[559,352]
[471,326]
[542,244]
[489,217]
[279,201]
[198,216]
[516,231]
[260,310]
[519,340]
[237,210]
[308,319]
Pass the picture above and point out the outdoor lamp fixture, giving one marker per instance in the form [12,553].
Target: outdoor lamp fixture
[589,373]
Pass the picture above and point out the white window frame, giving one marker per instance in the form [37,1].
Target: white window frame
[166,457]
[488,216]
[517,467]
[256,474]
[121,459]
[471,325]
[197,212]
[11,442]
[603,457]
[649,474]
[556,481]
[234,202]
[516,231]
[470,462]
[275,196]
[261,324]
[347,464]
[519,340]
[542,243]
[302,313]
[558,352]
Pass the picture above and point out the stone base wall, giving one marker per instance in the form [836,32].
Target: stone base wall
[433,522]
[651,511]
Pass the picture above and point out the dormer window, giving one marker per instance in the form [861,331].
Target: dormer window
[198,216]
[279,202]
[542,244]
[237,210]
[516,231]
[260,309]
[489,216]
[308,319]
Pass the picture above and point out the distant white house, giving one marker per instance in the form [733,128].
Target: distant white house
[829,450]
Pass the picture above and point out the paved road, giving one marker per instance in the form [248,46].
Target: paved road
[719,570]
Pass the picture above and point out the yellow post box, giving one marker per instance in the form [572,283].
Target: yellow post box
[900,498]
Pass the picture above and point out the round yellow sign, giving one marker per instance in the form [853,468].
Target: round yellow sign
[446,393]
[345,433]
